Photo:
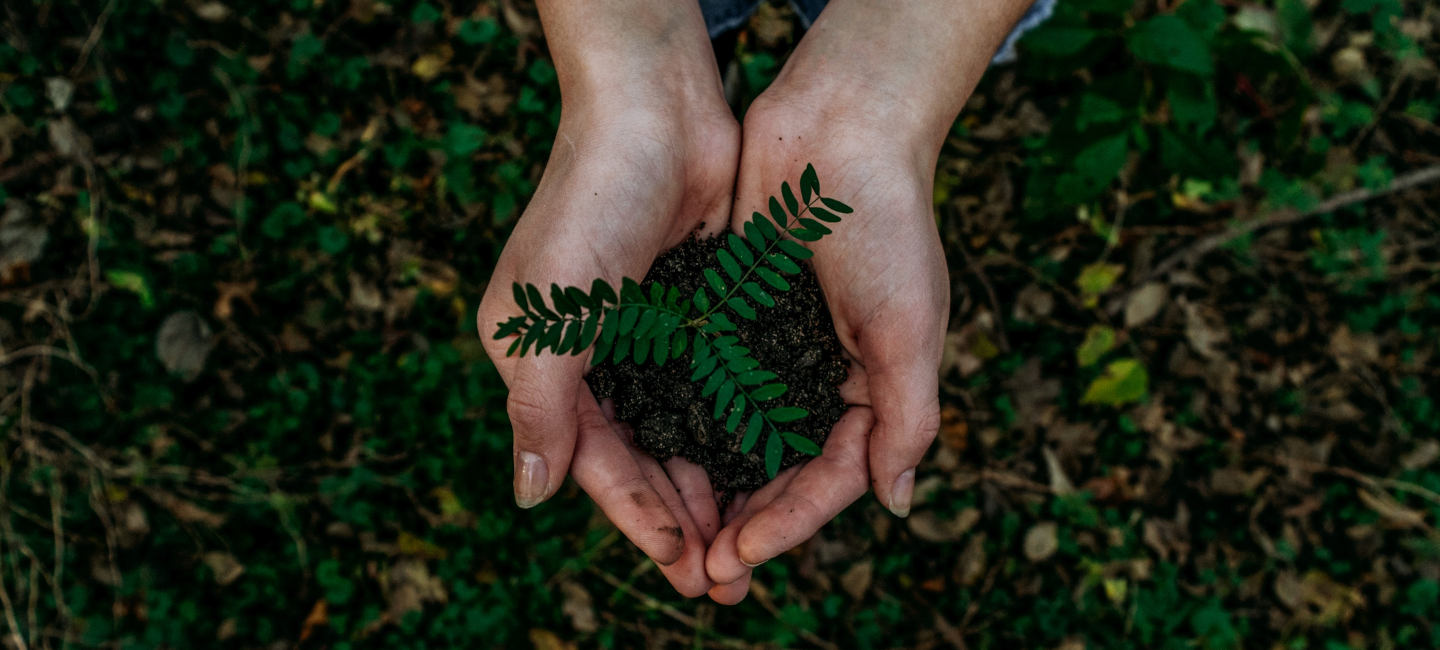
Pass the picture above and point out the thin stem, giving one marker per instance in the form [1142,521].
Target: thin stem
[751,268]
[734,378]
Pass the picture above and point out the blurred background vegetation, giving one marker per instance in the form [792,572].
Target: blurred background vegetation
[1190,387]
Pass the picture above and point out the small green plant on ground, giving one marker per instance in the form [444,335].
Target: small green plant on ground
[660,324]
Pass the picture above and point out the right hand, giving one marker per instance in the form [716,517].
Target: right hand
[631,175]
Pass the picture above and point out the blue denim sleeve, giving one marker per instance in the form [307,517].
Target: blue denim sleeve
[724,15]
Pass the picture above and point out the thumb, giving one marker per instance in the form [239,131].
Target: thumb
[905,395]
[543,393]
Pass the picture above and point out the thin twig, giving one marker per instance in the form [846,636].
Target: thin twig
[1191,253]
[650,602]
[762,596]
[94,38]
[1360,477]
[979,272]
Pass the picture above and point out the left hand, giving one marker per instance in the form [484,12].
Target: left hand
[885,280]
[868,97]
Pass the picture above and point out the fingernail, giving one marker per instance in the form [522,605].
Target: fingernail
[901,493]
[531,479]
[753,565]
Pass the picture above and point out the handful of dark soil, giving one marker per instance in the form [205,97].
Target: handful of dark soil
[794,339]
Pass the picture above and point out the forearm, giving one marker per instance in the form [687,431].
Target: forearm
[907,65]
[635,50]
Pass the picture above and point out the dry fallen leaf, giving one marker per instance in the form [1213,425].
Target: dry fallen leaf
[930,527]
[547,640]
[1144,304]
[22,237]
[856,580]
[1042,541]
[578,607]
[183,343]
[224,565]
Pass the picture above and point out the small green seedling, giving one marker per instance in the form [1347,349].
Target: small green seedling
[661,326]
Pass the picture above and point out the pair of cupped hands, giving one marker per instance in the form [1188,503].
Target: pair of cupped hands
[641,161]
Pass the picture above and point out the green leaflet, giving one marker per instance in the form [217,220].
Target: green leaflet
[800,443]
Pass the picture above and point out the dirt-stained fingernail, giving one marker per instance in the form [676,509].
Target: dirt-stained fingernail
[532,478]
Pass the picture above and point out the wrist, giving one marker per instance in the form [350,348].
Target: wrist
[646,53]
[906,69]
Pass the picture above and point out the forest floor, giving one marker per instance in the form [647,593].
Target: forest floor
[1190,388]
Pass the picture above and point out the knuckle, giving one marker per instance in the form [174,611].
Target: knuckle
[527,415]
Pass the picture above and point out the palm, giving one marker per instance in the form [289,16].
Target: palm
[884,277]
[611,199]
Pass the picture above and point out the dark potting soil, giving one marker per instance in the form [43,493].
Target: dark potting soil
[794,339]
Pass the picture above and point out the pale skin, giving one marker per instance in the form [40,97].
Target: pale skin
[647,152]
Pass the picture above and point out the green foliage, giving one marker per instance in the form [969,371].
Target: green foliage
[660,324]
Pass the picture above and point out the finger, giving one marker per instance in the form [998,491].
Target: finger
[905,393]
[723,562]
[855,390]
[732,593]
[687,574]
[699,497]
[606,470]
[823,487]
[541,406]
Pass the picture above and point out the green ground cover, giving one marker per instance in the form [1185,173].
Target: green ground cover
[1190,388]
